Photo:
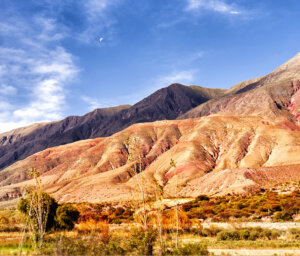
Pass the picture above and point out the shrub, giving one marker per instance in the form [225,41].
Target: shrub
[211,232]
[141,241]
[228,235]
[295,232]
[282,216]
[202,198]
[244,234]
[65,217]
[190,249]
[254,234]
[111,248]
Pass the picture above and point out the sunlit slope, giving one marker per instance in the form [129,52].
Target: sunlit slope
[214,155]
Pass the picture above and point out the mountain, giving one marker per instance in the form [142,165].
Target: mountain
[166,103]
[275,95]
[232,141]
[214,155]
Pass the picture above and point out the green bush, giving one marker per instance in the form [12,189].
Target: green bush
[210,232]
[65,217]
[190,249]
[228,235]
[248,234]
[141,242]
[244,234]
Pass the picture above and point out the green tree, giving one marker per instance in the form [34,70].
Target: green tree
[43,212]
[47,205]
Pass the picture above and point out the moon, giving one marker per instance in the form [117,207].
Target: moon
[100,39]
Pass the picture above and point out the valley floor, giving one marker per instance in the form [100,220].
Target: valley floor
[75,242]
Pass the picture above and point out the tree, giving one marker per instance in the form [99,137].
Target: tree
[47,205]
[135,157]
[38,207]
[43,213]
[173,165]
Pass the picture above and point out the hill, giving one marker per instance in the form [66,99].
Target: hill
[166,103]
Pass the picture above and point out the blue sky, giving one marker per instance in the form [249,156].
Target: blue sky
[67,57]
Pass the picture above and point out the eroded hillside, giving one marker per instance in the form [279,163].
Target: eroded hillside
[214,155]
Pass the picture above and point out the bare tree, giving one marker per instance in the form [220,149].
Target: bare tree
[37,214]
[173,164]
[25,227]
[159,212]
[135,156]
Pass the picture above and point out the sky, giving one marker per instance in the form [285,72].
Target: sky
[68,57]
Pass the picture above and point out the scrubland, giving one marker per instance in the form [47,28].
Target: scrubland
[117,229]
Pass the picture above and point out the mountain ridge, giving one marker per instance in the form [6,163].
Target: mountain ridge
[166,103]
[273,90]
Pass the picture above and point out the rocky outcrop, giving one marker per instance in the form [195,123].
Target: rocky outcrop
[294,105]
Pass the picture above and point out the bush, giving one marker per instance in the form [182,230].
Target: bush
[282,216]
[295,232]
[65,217]
[248,234]
[211,232]
[244,234]
[190,249]
[254,234]
[141,241]
[202,198]
[228,235]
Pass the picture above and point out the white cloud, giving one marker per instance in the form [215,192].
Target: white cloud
[219,6]
[7,90]
[184,77]
[95,8]
[97,19]
[92,102]
[34,73]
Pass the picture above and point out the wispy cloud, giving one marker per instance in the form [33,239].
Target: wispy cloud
[34,72]
[93,102]
[219,6]
[97,20]
[183,76]
[35,68]
[7,90]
